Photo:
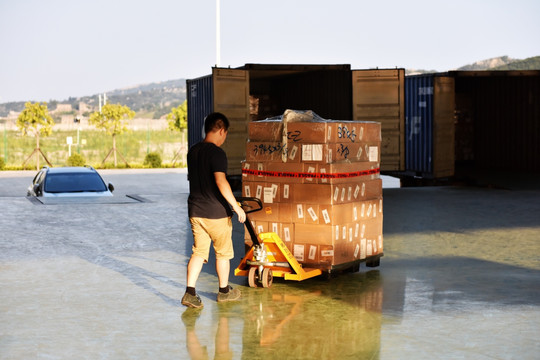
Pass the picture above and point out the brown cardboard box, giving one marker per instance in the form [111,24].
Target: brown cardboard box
[307,132]
[299,213]
[333,194]
[253,165]
[316,234]
[334,214]
[346,171]
[261,227]
[298,173]
[287,170]
[334,131]
[354,131]
[266,151]
[267,192]
[312,214]
[312,252]
[265,130]
[276,212]
[367,228]
[335,152]
[286,211]
[299,252]
[326,254]
[253,189]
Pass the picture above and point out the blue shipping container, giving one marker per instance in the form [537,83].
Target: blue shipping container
[200,102]
[419,124]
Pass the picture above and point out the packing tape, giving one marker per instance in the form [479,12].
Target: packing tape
[310,174]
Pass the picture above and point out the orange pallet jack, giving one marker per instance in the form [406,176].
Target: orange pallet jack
[268,257]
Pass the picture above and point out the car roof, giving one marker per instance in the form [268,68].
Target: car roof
[70,169]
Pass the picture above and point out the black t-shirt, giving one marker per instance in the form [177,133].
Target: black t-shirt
[205,199]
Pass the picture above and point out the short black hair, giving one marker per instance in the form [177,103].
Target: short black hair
[215,121]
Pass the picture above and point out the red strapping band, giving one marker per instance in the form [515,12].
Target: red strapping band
[309,174]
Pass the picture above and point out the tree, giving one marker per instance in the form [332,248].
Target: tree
[35,120]
[178,117]
[178,122]
[113,119]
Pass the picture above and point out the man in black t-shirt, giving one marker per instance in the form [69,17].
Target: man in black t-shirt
[209,207]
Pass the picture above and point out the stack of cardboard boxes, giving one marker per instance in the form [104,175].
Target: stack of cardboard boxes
[320,187]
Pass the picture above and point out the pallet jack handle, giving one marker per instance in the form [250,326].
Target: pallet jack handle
[246,204]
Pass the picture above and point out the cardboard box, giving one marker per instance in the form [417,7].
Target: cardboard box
[254,165]
[299,173]
[285,172]
[354,131]
[261,227]
[317,234]
[346,171]
[305,213]
[265,130]
[331,153]
[267,151]
[308,132]
[333,131]
[333,194]
[326,254]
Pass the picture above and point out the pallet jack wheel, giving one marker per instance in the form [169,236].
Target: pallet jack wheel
[373,262]
[267,277]
[252,276]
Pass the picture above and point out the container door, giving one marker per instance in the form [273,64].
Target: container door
[199,104]
[379,95]
[419,125]
[443,127]
[231,97]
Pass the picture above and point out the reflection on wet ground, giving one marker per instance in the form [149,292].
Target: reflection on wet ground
[460,279]
[318,319]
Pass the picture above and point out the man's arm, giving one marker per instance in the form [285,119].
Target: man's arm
[226,191]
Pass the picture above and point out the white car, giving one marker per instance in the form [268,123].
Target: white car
[69,182]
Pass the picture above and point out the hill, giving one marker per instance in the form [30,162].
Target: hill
[498,63]
[152,100]
[489,64]
[532,63]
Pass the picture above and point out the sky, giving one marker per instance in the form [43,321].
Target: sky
[56,49]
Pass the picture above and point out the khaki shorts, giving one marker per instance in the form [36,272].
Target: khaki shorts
[206,231]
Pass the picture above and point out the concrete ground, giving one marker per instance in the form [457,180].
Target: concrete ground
[460,279]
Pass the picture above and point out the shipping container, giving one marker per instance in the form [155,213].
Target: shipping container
[498,121]
[259,91]
[199,104]
[461,123]
[429,126]
[378,95]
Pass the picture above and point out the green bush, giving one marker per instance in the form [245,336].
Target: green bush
[153,160]
[2,163]
[76,160]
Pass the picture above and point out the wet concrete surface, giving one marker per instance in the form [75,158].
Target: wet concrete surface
[460,279]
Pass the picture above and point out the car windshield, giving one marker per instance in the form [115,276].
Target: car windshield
[74,182]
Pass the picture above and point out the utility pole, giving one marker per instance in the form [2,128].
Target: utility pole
[218,34]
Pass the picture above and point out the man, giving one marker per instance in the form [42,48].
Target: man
[209,207]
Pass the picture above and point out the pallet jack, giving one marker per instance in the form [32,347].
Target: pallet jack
[268,256]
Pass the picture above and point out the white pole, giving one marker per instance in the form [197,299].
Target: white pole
[218,34]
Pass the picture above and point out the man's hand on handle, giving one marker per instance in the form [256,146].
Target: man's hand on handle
[240,212]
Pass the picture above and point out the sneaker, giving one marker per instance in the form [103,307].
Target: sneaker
[192,301]
[232,295]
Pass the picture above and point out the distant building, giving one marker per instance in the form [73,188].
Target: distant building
[84,107]
[63,108]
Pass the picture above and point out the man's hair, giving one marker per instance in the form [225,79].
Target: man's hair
[215,121]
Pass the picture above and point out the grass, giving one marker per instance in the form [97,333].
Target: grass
[133,145]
